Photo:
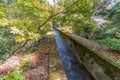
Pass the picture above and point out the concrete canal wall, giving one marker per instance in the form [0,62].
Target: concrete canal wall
[89,54]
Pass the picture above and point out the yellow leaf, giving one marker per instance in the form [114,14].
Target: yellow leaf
[19,39]
[33,36]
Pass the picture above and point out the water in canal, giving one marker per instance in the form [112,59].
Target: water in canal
[74,70]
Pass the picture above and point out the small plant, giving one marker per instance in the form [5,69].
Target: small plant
[16,74]
[25,63]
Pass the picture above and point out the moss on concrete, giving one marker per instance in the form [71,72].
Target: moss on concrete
[101,66]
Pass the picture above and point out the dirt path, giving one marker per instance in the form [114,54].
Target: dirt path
[38,68]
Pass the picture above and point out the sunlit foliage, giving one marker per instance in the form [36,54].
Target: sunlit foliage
[22,18]
[30,19]
[78,17]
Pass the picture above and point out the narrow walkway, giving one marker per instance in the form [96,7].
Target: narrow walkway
[74,70]
[56,71]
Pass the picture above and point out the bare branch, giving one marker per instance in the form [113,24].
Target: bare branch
[21,46]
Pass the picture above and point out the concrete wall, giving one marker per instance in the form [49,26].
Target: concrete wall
[89,54]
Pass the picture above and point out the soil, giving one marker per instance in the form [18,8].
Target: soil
[38,68]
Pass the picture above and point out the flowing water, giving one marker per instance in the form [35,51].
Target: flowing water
[74,70]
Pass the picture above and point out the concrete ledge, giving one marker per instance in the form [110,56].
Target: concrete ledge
[89,54]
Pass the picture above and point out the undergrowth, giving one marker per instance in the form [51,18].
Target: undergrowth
[17,73]
[110,43]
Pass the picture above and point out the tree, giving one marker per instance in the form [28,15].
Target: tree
[23,18]
[78,16]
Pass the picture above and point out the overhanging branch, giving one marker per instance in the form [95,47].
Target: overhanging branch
[57,14]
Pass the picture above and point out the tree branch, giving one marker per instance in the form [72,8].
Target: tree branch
[21,46]
[57,14]
[6,56]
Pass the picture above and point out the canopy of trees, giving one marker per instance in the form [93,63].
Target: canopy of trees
[22,21]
